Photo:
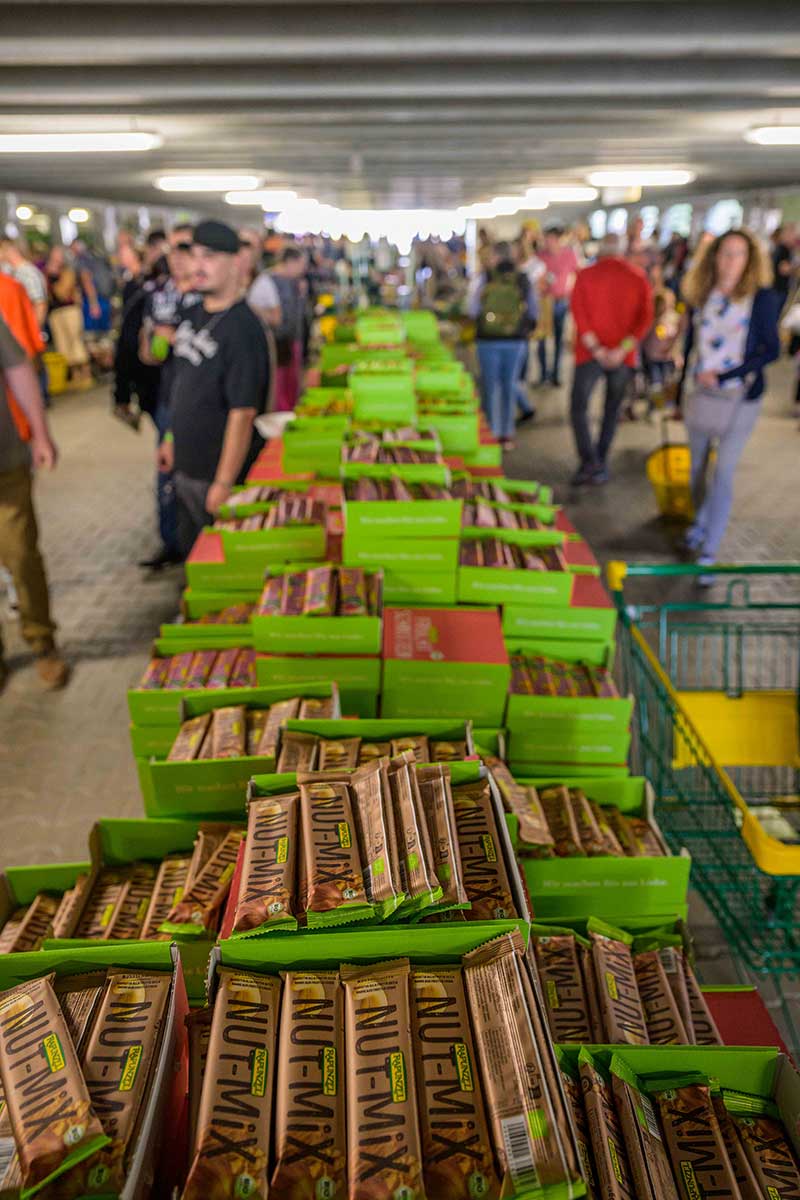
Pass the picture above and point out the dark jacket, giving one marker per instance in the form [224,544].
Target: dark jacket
[762,346]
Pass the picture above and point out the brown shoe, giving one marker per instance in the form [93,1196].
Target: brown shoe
[52,670]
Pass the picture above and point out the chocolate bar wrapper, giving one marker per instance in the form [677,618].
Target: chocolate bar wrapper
[298,752]
[255,724]
[749,1187]
[118,1061]
[335,754]
[693,1137]
[399,489]
[620,1004]
[336,893]
[266,892]
[229,732]
[664,1024]
[448,751]
[433,782]
[456,1149]
[51,1114]
[317,708]
[352,592]
[35,925]
[283,710]
[561,820]
[603,683]
[196,912]
[224,663]
[187,744]
[167,891]
[647,1155]
[419,746]
[155,676]
[566,1005]
[79,997]
[605,1132]
[11,929]
[485,877]
[470,554]
[200,669]
[521,681]
[611,844]
[672,962]
[572,1091]
[703,1024]
[231,1156]
[251,523]
[198,1027]
[294,593]
[271,599]
[589,832]
[207,841]
[586,960]
[310,1136]
[179,668]
[130,913]
[375,593]
[417,871]
[369,751]
[320,597]
[380,1084]
[244,670]
[67,914]
[101,903]
[527,1118]
[621,828]
[372,811]
[524,802]
[647,840]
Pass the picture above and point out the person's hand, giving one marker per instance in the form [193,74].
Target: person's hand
[217,495]
[708,379]
[600,355]
[44,452]
[615,358]
[165,331]
[96,311]
[165,457]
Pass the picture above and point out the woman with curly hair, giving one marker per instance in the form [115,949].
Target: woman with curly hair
[732,336]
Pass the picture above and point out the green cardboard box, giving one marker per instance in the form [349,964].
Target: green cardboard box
[281,634]
[196,604]
[413,587]
[383,729]
[575,729]
[164,708]
[358,678]
[316,449]
[443,662]
[438,473]
[20,885]
[439,555]
[590,616]
[506,585]
[286,543]
[208,571]
[594,654]
[369,521]
[384,396]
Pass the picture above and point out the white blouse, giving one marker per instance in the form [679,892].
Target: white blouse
[722,339]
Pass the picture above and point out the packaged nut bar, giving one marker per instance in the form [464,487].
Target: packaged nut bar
[622,830]
[384,1155]
[703,1024]
[196,912]
[231,1154]
[527,1117]
[130,913]
[605,1132]
[209,838]
[179,669]
[648,842]
[572,1090]
[101,903]
[620,1005]
[266,890]
[448,751]
[766,1147]
[189,739]
[199,671]
[586,960]
[198,1027]
[369,751]
[417,872]
[524,802]
[317,708]
[419,746]
[11,929]
[320,595]
[485,877]
[310,1136]
[294,592]
[229,732]
[79,997]
[255,721]
[51,1114]
[647,1155]
[155,677]
[117,1063]
[167,891]
[589,832]
[603,683]
[224,663]
[68,909]
[271,598]
[298,752]
[561,819]
[521,681]
[36,925]
[672,961]
[284,710]
[399,489]
[559,969]
[611,844]
[731,1136]
[470,554]
[352,592]
[433,782]
[336,892]
[693,1137]
[456,1150]
[375,593]
[664,1024]
[335,754]
[371,798]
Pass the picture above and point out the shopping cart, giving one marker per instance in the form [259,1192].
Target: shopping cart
[668,469]
[716,733]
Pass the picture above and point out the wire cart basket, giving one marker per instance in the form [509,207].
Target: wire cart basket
[716,733]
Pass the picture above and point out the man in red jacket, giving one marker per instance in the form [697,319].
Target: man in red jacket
[612,307]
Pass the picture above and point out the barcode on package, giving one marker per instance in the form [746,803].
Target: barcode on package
[519,1153]
[650,1118]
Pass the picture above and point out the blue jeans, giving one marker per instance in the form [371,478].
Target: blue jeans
[560,310]
[166,500]
[711,519]
[500,363]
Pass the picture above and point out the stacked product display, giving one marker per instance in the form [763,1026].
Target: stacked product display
[397,922]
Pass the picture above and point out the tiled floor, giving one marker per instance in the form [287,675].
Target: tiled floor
[65,759]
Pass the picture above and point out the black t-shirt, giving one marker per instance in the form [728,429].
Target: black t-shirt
[220,362]
[781,255]
[166,305]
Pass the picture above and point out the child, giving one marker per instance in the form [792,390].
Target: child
[661,349]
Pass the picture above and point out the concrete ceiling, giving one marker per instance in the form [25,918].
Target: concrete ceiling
[424,104]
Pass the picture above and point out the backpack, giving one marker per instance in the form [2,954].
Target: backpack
[502,307]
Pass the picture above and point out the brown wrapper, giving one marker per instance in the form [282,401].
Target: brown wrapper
[647,1155]
[198,1028]
[561,819]
[694,1142]
[433,782]
[320,596]
[605,1135]
[284,710]
[418,745]
[330,847]
[179,668]
[266,891]
[648,843]
[369,751]
[589,832]
[231,1157]
[118,1061]
[586,959]
[201,902]
[485,876]
[521,681]
[269,605]
[200,669]
[310,1137]
[34,927]
[48,1103]
[352,592]
[620,1005]
[457,1152]
[749,1187]
[524,802]
[155,676]
[621,829]
[207,840]
[189,739]
[335,754]
[375,594]
[101,903]
[448,751]
[11,929]
[611,844]
[572,1090]
[229,732]
[664,1024]
[298,752]
[372,811]
[317,708]
[294,591]
[255,723]
[672,962]
[130,914]
[68,909]
[413,843]
[222,669]
[79,997]
[704,1026]
[384,1155]
[526,1114]
[566,1005]
[603,683]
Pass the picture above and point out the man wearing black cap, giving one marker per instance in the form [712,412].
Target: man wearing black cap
[220,380]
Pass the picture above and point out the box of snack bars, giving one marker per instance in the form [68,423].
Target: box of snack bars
[320,610]
[357,677]
[590,617]
[524,567]
[37,902]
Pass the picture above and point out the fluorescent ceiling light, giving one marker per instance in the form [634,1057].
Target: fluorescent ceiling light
[209,182]
[24,212]
[561,194]
[78,215]
[270,199]
[641,177]
[77,143]
[774,135]
[476,212]
[506,206]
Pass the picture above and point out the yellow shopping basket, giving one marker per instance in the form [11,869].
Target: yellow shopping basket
[669,471]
